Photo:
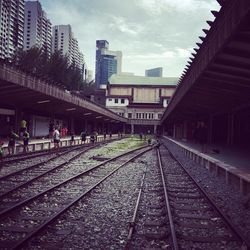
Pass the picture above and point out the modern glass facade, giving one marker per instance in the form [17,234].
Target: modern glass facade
[106,62]
[108,68]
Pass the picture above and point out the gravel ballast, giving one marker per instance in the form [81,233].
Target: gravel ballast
[101,220]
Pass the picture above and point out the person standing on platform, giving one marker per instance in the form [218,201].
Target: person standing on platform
[104,135]
[56,137]
[141,135]
[72,139]
[92,138]
[96,135]
[23,127]
[12,141]
[83,136]
[26,137]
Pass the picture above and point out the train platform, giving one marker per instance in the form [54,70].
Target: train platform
[46,144]
[229,162]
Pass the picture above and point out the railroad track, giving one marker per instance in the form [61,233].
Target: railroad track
[20,166]
[193,219]
[30,155]
[197,222]
[20,179]
[25,219]
[149,226]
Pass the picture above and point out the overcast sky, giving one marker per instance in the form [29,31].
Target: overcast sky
[150,33]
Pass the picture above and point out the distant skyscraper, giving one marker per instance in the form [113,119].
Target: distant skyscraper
[11,27]
[156,72]
[37,28]
[107,63]
[63,40]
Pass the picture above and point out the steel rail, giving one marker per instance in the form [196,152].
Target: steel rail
[40,163]
[132,222]
[21,203]
[236,231]
[53,158]
[55,216]
[48,171]
[167,203]
[31,155]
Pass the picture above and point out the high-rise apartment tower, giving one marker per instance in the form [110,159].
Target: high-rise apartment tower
[37,27]
[11,27]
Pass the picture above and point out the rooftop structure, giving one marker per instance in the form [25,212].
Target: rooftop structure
[139,98]
[156,72]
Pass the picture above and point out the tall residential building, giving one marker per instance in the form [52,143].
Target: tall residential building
[63,40]
[37,27]
[156,72]
[11,27]
[107,63]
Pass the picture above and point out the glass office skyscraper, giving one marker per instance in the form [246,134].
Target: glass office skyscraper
[107,63]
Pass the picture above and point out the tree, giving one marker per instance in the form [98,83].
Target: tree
[56,68]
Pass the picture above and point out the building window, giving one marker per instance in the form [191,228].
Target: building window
[110,99]
[129,115]
[116,100]
[122,101]
[159,116]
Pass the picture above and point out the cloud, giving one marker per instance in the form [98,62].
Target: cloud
[158,7]
[121,24]
[150,33]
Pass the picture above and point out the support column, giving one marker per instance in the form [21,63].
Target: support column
[155,129]
[174,133]
[210,129]
[72,125]
[108,128]
[123,128]
[95,125]
[230,132]
[18,118]
[185,131]
[132,128]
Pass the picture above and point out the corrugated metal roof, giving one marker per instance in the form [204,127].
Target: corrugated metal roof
[142,80]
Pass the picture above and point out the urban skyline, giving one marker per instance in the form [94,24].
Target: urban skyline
[148,32]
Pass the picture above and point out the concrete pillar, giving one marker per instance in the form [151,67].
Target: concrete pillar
[72,125]
[174,133]
[95,125]
[18,118]
[108,128]
[132,128]
[155,129]
[185,131]
[210,129]
[123,128]
[230,130]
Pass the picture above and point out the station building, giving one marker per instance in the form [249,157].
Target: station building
[141,99]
